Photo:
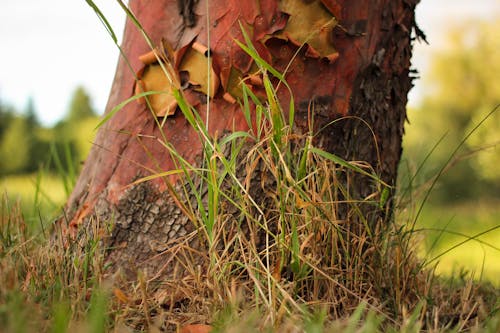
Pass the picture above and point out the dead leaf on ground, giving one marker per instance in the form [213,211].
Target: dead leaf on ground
[196,328]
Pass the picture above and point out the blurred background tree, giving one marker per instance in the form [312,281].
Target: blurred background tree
[80,106]
[26,145]
[461,90]
[36,137]
[15,146]
[76,130]
[6,115]
[39,164]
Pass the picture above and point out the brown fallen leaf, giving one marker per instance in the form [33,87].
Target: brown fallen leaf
[196,328]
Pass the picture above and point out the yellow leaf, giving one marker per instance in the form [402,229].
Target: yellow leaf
[200,70]
[309,22]
[155,79]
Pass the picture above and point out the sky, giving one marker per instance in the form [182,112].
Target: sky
[48,48]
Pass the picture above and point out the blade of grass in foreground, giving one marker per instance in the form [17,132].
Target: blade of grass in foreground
[340,161]
[120,106]
[461,243]
[103,20]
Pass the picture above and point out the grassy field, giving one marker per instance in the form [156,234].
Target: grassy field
[448,234]
[41,196]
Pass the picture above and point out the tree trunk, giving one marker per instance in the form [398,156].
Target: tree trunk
[353,76]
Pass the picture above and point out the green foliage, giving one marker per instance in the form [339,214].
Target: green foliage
[487,138]
[26,146]
[6,115]
[30,114]
[15,146]
[80,106]
[76,129]
[461,90]
[24,142]
[41,196]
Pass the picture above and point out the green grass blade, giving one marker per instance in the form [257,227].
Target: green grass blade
[252,52]
[136,22]
[234,136]
[103,20]
[461,243]
[60,169]
[124,103]
[71,172]
[345,164]
[445,165]
[185,109]
[156,176]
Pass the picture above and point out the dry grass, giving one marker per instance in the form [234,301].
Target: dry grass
[283,245]
[283,253]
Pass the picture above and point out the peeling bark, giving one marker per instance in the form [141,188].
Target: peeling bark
[365,84]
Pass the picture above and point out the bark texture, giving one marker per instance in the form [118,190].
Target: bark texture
[364,81]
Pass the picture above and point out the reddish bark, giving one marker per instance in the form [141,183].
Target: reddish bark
[367,78]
